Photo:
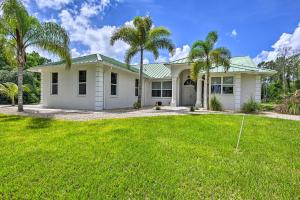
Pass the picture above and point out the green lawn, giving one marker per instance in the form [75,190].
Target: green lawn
[170,157]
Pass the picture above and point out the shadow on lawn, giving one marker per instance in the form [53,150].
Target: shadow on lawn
[39,123]
[10,118]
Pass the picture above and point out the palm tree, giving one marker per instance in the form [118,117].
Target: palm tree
[143,37]
[21,30]
[10,90]
[204,56]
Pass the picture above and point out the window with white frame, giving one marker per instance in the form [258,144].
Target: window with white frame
[222,85]
[162,89]
[216,85]
[113,83]
[82,82]
[54,83]
[227,85]
[136,87]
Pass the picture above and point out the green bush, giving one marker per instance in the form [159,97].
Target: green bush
[215,104]
[192,109]
[157,107]
[251,106]
[267,106]
[136,105]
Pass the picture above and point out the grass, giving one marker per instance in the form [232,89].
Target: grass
[170,157]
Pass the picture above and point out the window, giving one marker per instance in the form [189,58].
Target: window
[136,87]
[222,85]
[216,85]
[162,89]
[228,85]
[54,83]
[189,81]
[167,89]
[82,82]
[113,83]
[156,89]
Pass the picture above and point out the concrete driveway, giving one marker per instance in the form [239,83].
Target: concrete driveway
[83,115]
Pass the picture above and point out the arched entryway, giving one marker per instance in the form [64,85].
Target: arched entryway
[187,89]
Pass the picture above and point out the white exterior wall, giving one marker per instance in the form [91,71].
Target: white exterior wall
[125,89]
[67,96]
[228,101]
[250,87]
[151,101]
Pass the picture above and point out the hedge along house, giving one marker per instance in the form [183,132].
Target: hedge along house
[97,82]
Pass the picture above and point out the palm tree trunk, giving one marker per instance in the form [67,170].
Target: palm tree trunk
[141,78]
[21,62]
[207,88]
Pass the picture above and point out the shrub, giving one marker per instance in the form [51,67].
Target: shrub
[290,105]
[215,104]
[192,109]
[157,107]
[251,106]
[136,105]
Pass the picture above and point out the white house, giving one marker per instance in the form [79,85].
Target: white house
[97,82]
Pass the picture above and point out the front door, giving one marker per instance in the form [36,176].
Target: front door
[188,92]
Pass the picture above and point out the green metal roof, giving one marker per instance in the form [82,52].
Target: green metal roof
[155,70]
[163,70]
[237,64]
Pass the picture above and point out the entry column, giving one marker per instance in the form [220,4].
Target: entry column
[174,91]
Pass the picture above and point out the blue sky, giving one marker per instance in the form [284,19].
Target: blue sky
[258,28]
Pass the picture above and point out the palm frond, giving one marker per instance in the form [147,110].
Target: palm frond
[221,57]
[127,34]
[54,39]
[196,67]
[150,46]
[130,53]
[211,39]
[159,32]
[198,51]
[163,43]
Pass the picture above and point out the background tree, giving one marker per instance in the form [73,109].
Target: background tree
[204,56]
[143,37]
[21,30]
[287,78]
[10,90]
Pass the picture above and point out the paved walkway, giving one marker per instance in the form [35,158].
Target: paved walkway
[83,115]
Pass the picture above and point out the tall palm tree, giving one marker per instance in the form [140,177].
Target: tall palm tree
[10,90]
[204,56]
[143,37]
[21,30]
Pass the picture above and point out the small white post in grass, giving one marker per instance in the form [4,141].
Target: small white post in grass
[241,130]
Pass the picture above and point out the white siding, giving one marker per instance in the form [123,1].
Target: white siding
[151,101]
[68,88]
[228,101]
[125,89]
[248,88]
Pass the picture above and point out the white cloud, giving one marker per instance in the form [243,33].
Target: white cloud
[161,59]
[233,33]
[75,53]
[55,4]
[180,53]
[286,40]
[146,61]
[96,39]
